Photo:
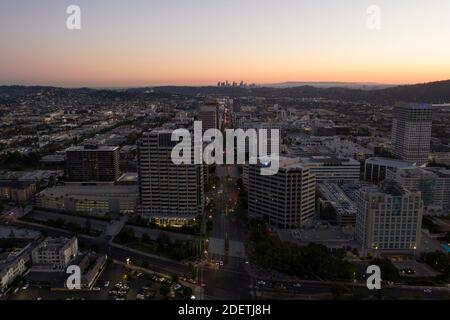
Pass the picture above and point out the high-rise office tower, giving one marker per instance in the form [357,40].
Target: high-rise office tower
[92,164]
[389,219]
[411,132]
[208,114]
[286,199]
[169,194]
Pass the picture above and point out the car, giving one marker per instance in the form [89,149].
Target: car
[261,283]
[96,289]
[140,274]
[39,298]
[427,290]
[297,285]
[176,286]
[26,286]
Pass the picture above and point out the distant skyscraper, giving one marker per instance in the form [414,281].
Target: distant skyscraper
[236,105]
[168,193]
[389,218]
[208,114]
[411,132]
[286,199]
[92,164]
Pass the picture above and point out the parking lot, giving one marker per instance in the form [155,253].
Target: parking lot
[413,268]
[117,282]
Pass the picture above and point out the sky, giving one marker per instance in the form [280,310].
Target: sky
[200,42]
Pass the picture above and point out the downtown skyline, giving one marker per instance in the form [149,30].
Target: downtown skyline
[150,43]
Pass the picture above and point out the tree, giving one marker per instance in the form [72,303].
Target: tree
[145,238]
[88,225]
[164,290]
[187,292]
[388,271]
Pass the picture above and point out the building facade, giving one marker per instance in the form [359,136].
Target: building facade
[208,114]
[92,164]
[375,169]
[13,264]
[169,194]
[333,169]
[54,254]
[411,132]
[433,183]
[286,199]
[89,199]
[389,219]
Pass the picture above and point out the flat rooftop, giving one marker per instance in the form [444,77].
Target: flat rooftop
[92,148]
[328,160]
[78,190]
[389,162]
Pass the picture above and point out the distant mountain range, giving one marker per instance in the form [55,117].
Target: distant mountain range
[432,92]
[349,85]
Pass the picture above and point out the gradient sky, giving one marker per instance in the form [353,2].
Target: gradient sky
[152,42]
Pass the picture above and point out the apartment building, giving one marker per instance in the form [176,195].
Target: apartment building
[92,164]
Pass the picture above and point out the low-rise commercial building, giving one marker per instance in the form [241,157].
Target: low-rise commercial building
[13,263]
[433,183]
[93,200]
[329,168]
[17,190]
[54,254]
[375,169]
